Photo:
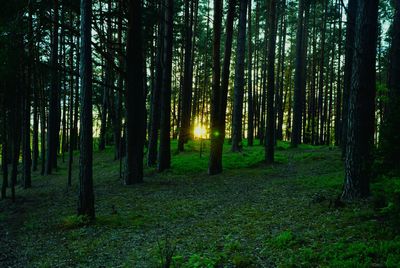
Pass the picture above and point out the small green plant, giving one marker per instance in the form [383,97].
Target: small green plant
[242,261]
[199,261]
[166,251]
[284,239]
[74,221]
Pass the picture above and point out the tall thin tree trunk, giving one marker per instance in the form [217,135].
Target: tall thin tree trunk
[86,195]
[237,115]
[164,153]
[155,98]
[270,131]
[299,74]
[220,93]
[54,101]
[348,67]
[250,102]
[135,97]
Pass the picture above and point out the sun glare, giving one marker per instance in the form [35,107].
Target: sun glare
[200,132]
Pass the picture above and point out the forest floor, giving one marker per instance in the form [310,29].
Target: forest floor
[251,215]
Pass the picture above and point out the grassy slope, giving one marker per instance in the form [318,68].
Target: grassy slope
[249,215]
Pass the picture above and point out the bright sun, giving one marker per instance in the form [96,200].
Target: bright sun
[200,131]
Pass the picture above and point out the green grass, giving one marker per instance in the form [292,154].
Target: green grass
[252,215]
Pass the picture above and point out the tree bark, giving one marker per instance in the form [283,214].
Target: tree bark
[164,153]
[54,99]
[361,114]
[348,67]
[238,90]
[270,130]
[299,74]
[86,195]
[184,131]
[250,101]
[220,93]
[135,97]
[155,98]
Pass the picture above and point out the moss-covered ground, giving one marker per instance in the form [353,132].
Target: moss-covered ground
[251,215]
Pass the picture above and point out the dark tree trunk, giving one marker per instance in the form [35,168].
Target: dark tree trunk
[26,150]
[338,106]
[361,113]
[4,149]
[164,153]
[155,98]
[270,130]
[281,71]
[35,138]
[390,135]
[220,93]
[349,52]
[71,112]
[16,112]
[54,99]
[250,102]
[43,130]
[321,99]
[117,99]
[184,131]
[86,195]
[135,97]
[238,90]
[299,74]
[104,112]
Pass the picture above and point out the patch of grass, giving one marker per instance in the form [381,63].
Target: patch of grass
[74,221]
[250,215]
[284,239]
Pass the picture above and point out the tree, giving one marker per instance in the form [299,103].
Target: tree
[270,131]
[390,140]
[135,97]
[4,146]
[54,98]
[184,131]
[220,93]
[361,113]
[164,152]
[299,73]
[86,195]
[250,114]
[348,67]
[238,89]
[155,97]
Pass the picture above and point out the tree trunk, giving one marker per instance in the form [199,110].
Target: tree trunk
[164,153]
[250,102]
[135,97]
[184,131]
[155,98]
[348,67]
[299,74]
[270,130]
[390,141]
[361,113]
[220,93]
[4,149]
[54,99]
[237,115]
[86,195]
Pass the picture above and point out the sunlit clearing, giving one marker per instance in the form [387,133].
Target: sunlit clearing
[200,132]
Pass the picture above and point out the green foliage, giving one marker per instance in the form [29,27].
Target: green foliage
[199,261]
[75,221]
[284,239]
